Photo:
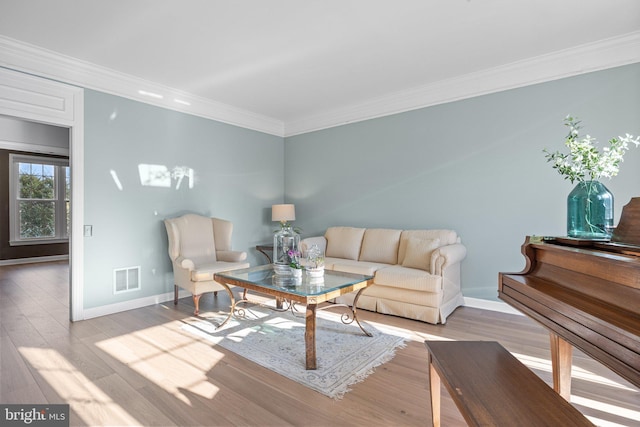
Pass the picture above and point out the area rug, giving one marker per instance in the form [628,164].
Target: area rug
[275,340]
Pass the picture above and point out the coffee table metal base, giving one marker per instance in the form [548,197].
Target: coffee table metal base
[310,327]
[262,279]
[310,319]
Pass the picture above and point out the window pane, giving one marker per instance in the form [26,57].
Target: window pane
[68,223]
[67,180]
[66,170]
[37,219]
[24,168]
[47,170]
[35,181]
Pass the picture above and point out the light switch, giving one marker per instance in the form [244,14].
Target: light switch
[88,230]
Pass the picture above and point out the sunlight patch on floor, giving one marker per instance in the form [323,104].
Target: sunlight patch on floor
[576,372]
[169,364]
[83,396]
[536,363]
[421,336]
[631,415]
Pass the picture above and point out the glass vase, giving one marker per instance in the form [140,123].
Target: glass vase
[285,241]
[590,211]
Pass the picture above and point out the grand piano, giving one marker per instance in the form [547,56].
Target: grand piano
[587,294]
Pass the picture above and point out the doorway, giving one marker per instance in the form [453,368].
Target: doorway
[39,100]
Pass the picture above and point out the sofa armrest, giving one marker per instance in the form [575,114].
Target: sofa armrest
[305,244]
[231,256]
[446,256]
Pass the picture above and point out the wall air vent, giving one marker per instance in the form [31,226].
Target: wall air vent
[126,279]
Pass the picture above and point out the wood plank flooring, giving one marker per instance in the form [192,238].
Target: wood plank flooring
[139,368]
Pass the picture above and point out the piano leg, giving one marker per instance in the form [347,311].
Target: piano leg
[561,355]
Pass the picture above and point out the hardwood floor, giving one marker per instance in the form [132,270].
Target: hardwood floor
[138,368]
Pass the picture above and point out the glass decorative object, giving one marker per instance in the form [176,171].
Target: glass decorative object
[590,211]
[285,244]
[285,241]
[315,261]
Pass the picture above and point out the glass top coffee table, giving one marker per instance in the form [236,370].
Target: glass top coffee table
[307,291]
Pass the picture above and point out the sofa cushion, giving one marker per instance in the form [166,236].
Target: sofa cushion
[397,276]
[418,253]
[344,242]
[380,245]
[447,237]
[205,272]
[357,267]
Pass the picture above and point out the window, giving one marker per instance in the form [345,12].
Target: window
[39,199]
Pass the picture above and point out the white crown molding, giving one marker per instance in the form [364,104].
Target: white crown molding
[582,59]
[586,58]
[41,62]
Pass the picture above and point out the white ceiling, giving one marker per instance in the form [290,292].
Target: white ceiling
[292,60]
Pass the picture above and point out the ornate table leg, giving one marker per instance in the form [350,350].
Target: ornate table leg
[233,305]
[348,318]
[310,336]
[355,316]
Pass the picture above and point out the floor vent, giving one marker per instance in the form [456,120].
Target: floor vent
[126,279]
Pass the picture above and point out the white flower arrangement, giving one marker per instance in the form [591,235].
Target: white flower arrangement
[584,160]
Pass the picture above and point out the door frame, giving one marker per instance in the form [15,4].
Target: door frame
[38,99]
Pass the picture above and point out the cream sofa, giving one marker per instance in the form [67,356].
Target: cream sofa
[416,272]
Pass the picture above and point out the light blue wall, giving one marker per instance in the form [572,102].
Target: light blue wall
[239,174]
[475,166]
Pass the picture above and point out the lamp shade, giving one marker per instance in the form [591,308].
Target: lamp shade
[283,213]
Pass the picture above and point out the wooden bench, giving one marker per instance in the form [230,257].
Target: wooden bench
[492,388]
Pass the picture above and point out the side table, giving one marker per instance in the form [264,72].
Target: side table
[267,248]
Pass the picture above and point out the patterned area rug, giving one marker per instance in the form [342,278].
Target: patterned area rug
[275,340]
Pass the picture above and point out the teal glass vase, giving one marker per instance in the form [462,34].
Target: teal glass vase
[590,211]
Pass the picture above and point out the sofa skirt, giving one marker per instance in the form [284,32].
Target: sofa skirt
[381,299]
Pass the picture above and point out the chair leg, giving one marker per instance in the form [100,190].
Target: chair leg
[175,294]
[196,303]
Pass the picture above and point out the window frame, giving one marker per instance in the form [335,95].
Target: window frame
[60,201]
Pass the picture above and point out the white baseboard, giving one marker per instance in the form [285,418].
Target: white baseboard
[485,304]
[34,260]
[105,310]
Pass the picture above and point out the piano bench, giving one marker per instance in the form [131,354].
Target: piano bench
[491,387]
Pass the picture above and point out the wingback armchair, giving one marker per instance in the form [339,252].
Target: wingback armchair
[199,247]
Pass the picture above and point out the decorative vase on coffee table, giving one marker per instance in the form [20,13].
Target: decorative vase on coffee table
[590,211]
[315,262]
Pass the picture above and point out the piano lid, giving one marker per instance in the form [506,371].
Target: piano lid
[602,245]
